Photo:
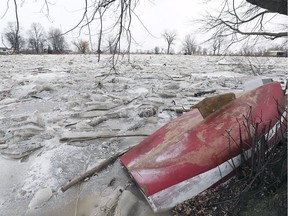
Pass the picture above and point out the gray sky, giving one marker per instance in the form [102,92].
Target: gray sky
[157,15]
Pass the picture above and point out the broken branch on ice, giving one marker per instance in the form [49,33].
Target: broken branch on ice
[84,136]
[177,109]
[18,154]
[199,94]
[95,169]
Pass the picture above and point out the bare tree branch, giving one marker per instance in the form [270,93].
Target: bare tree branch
[46,7]
[89,33]
[7,8]
[100,33]
[239,21]
[82,19]
[123,10]
[267,34]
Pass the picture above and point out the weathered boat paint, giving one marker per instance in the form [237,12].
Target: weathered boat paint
[190,154]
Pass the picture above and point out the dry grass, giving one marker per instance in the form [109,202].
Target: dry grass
[257,180]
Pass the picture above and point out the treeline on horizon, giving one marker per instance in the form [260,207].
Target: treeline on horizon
[37,41]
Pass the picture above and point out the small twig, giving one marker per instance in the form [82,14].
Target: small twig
[71,124]
[77,200]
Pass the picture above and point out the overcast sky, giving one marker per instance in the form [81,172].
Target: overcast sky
[156,15]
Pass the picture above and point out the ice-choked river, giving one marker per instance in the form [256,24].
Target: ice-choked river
[60,115]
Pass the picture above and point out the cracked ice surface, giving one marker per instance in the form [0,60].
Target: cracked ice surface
[50,105]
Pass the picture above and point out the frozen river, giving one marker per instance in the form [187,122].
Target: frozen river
[56,109]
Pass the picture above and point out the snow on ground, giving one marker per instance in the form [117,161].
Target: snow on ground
[51,106]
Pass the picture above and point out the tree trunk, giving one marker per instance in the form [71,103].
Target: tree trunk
[16,45]
[168,49]
[279,6]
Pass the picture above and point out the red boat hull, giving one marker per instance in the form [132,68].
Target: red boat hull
[190,154]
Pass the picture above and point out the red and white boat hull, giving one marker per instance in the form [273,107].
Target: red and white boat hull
[190,154]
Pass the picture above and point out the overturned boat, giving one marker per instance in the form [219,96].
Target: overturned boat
[203,147]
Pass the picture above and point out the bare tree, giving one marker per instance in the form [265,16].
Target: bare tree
[12,35]
[111,45]
[217,43]
[156,50]
[170,37]
[234,19]
[205,51]
[94,11]
[122,12]
[101,14]
[82,46]
[240,20]
[189,45]
[199,50]
[14,38]
[247,50]
[57,40]
[17,38]
[36,38]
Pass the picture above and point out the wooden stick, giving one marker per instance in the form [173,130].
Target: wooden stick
[91,136]
[95,169]
[198,94]
[177,109]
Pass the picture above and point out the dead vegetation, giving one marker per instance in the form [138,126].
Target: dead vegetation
[260,184]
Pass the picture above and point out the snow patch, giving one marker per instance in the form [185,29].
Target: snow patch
[41,196]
